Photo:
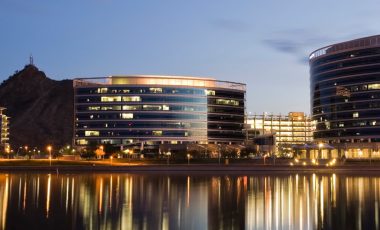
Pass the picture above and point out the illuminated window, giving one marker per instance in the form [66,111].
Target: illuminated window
[110,99]
[157,133]
[131,107]
[132,98]
[155,90]
[94,108]
[127,115]
[91,133]
[82,142]
[227,102]
[106,108]
[152,107]
[210,92]
[355,114]
[374,86]
[115,107]
[165,107]
[102,90]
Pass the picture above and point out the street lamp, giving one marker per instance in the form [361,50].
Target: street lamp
[7,150]
[188,158]
[219,153]
[168,155]
[49,148]
[26,150]
[102,148]
[111,159]
[320,146]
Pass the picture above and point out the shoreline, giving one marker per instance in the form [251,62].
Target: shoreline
[196,168]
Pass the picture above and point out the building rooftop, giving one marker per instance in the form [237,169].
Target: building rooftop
[159,80]
[360,43]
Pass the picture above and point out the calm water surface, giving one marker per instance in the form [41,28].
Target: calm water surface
[150,201]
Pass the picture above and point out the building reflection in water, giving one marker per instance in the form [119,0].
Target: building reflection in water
[149,201]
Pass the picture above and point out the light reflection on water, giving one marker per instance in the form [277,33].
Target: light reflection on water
[149,201]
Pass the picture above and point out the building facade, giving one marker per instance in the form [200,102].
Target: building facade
[285,131]
[4,135]
[345,97]
[154,110]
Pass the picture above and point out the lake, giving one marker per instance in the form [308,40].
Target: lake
[188,201]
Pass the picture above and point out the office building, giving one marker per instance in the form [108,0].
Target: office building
[4,136]
[345,97]
[280,131]
[153,110]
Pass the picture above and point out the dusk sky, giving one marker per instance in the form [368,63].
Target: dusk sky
[264,44]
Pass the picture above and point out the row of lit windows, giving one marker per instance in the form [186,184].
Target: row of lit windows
[277,122]
[119,98]
[328,125]
[345,90]
[156,116]
[151,90]
[134,99]
[119,141]
[143,90]
[284,127]
[268,129]
[227,102]
[92,133]
[287,139]
[150,107]
[136,124]
[96,133]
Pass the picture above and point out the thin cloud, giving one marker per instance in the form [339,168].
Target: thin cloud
[300,42]
[297,42]
[283,45]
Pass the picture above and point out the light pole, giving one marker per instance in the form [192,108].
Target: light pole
[26,151]
[320,146]
[7,150]
[49,148]
[168,154]
[102,152]
[188,158]
[18,150]
[111,159]
[219,153]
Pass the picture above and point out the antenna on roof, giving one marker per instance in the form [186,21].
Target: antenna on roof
[31,59]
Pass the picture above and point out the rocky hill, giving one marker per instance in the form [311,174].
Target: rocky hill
[41,109]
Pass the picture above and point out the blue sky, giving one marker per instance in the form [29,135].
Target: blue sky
[264,44]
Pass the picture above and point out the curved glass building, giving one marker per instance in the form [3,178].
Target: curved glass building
[345,96]
[153,110]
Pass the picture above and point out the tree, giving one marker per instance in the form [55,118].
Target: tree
[84,153]
[67,150]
